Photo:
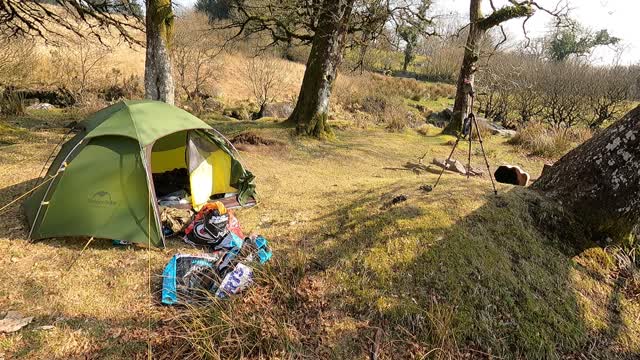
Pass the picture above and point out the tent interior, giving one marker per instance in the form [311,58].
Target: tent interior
[187,160]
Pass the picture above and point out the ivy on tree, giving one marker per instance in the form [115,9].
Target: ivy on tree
[575,40]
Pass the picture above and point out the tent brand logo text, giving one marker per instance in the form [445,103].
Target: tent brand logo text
[101,198]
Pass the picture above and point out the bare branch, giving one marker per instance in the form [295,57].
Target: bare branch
[81,18]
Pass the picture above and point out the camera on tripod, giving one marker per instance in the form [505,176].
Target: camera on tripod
[468,125]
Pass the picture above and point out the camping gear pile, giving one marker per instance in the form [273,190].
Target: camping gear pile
[137,172]
[226,269]
[170,182]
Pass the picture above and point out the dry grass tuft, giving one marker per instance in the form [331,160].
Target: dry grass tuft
[428,130]
[541,140]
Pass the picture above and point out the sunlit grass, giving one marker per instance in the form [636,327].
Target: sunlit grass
[452,272]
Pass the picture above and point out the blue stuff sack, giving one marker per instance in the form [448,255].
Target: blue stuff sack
[187,278]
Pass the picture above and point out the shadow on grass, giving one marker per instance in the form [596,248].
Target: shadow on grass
[493,283]
[84,337]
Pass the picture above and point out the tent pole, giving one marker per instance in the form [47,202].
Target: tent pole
[152,196]
[227,140]
[60,169]
[51,154]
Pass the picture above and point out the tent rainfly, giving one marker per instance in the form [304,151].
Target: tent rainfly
[100,183]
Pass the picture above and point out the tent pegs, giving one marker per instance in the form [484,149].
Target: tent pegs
[81,252]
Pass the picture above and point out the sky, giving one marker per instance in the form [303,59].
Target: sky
[620,17]
[617,16]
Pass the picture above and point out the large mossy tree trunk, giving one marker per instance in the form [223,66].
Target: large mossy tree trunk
[599,181]
[312,109]
[158,80]
[478,27]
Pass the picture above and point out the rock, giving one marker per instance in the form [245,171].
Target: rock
[495,128]
[13,322]
[237,113]
[507,133]
[456,166]
[452,165]
[41,106]
[442,118]
[278,110]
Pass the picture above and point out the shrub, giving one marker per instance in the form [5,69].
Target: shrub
[428,130]
[384,98]
[129,88]
[76,64]
[396,117]
[195,56]
[265,77]
[12,103]
[18,58]
[542,140]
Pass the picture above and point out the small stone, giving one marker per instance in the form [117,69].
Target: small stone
[41,106]
[13,322]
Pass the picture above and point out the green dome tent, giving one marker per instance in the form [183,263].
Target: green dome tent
[100,183]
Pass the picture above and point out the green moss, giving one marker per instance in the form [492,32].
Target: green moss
[435,105]
[456,269]
[162,14]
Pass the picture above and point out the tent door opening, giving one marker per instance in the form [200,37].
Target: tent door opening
[189,170]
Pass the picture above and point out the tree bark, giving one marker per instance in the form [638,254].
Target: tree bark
[312,108]
[408,55]
[158,80]
[467,70]
[478,26]
[599,181]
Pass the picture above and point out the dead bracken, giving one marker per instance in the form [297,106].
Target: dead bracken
[251,138]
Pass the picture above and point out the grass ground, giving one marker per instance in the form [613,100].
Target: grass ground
[452,273]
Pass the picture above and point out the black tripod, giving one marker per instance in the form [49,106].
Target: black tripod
[469,124]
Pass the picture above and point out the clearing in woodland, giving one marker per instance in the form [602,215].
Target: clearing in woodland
[451,273]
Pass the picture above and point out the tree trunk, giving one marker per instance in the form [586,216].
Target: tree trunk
[408,56]
[158,81]
[467,70]
[599,181]
[312,109]
[478,26]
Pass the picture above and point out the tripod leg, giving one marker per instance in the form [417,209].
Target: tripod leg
[447,161]
[486,161]
[469,159]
